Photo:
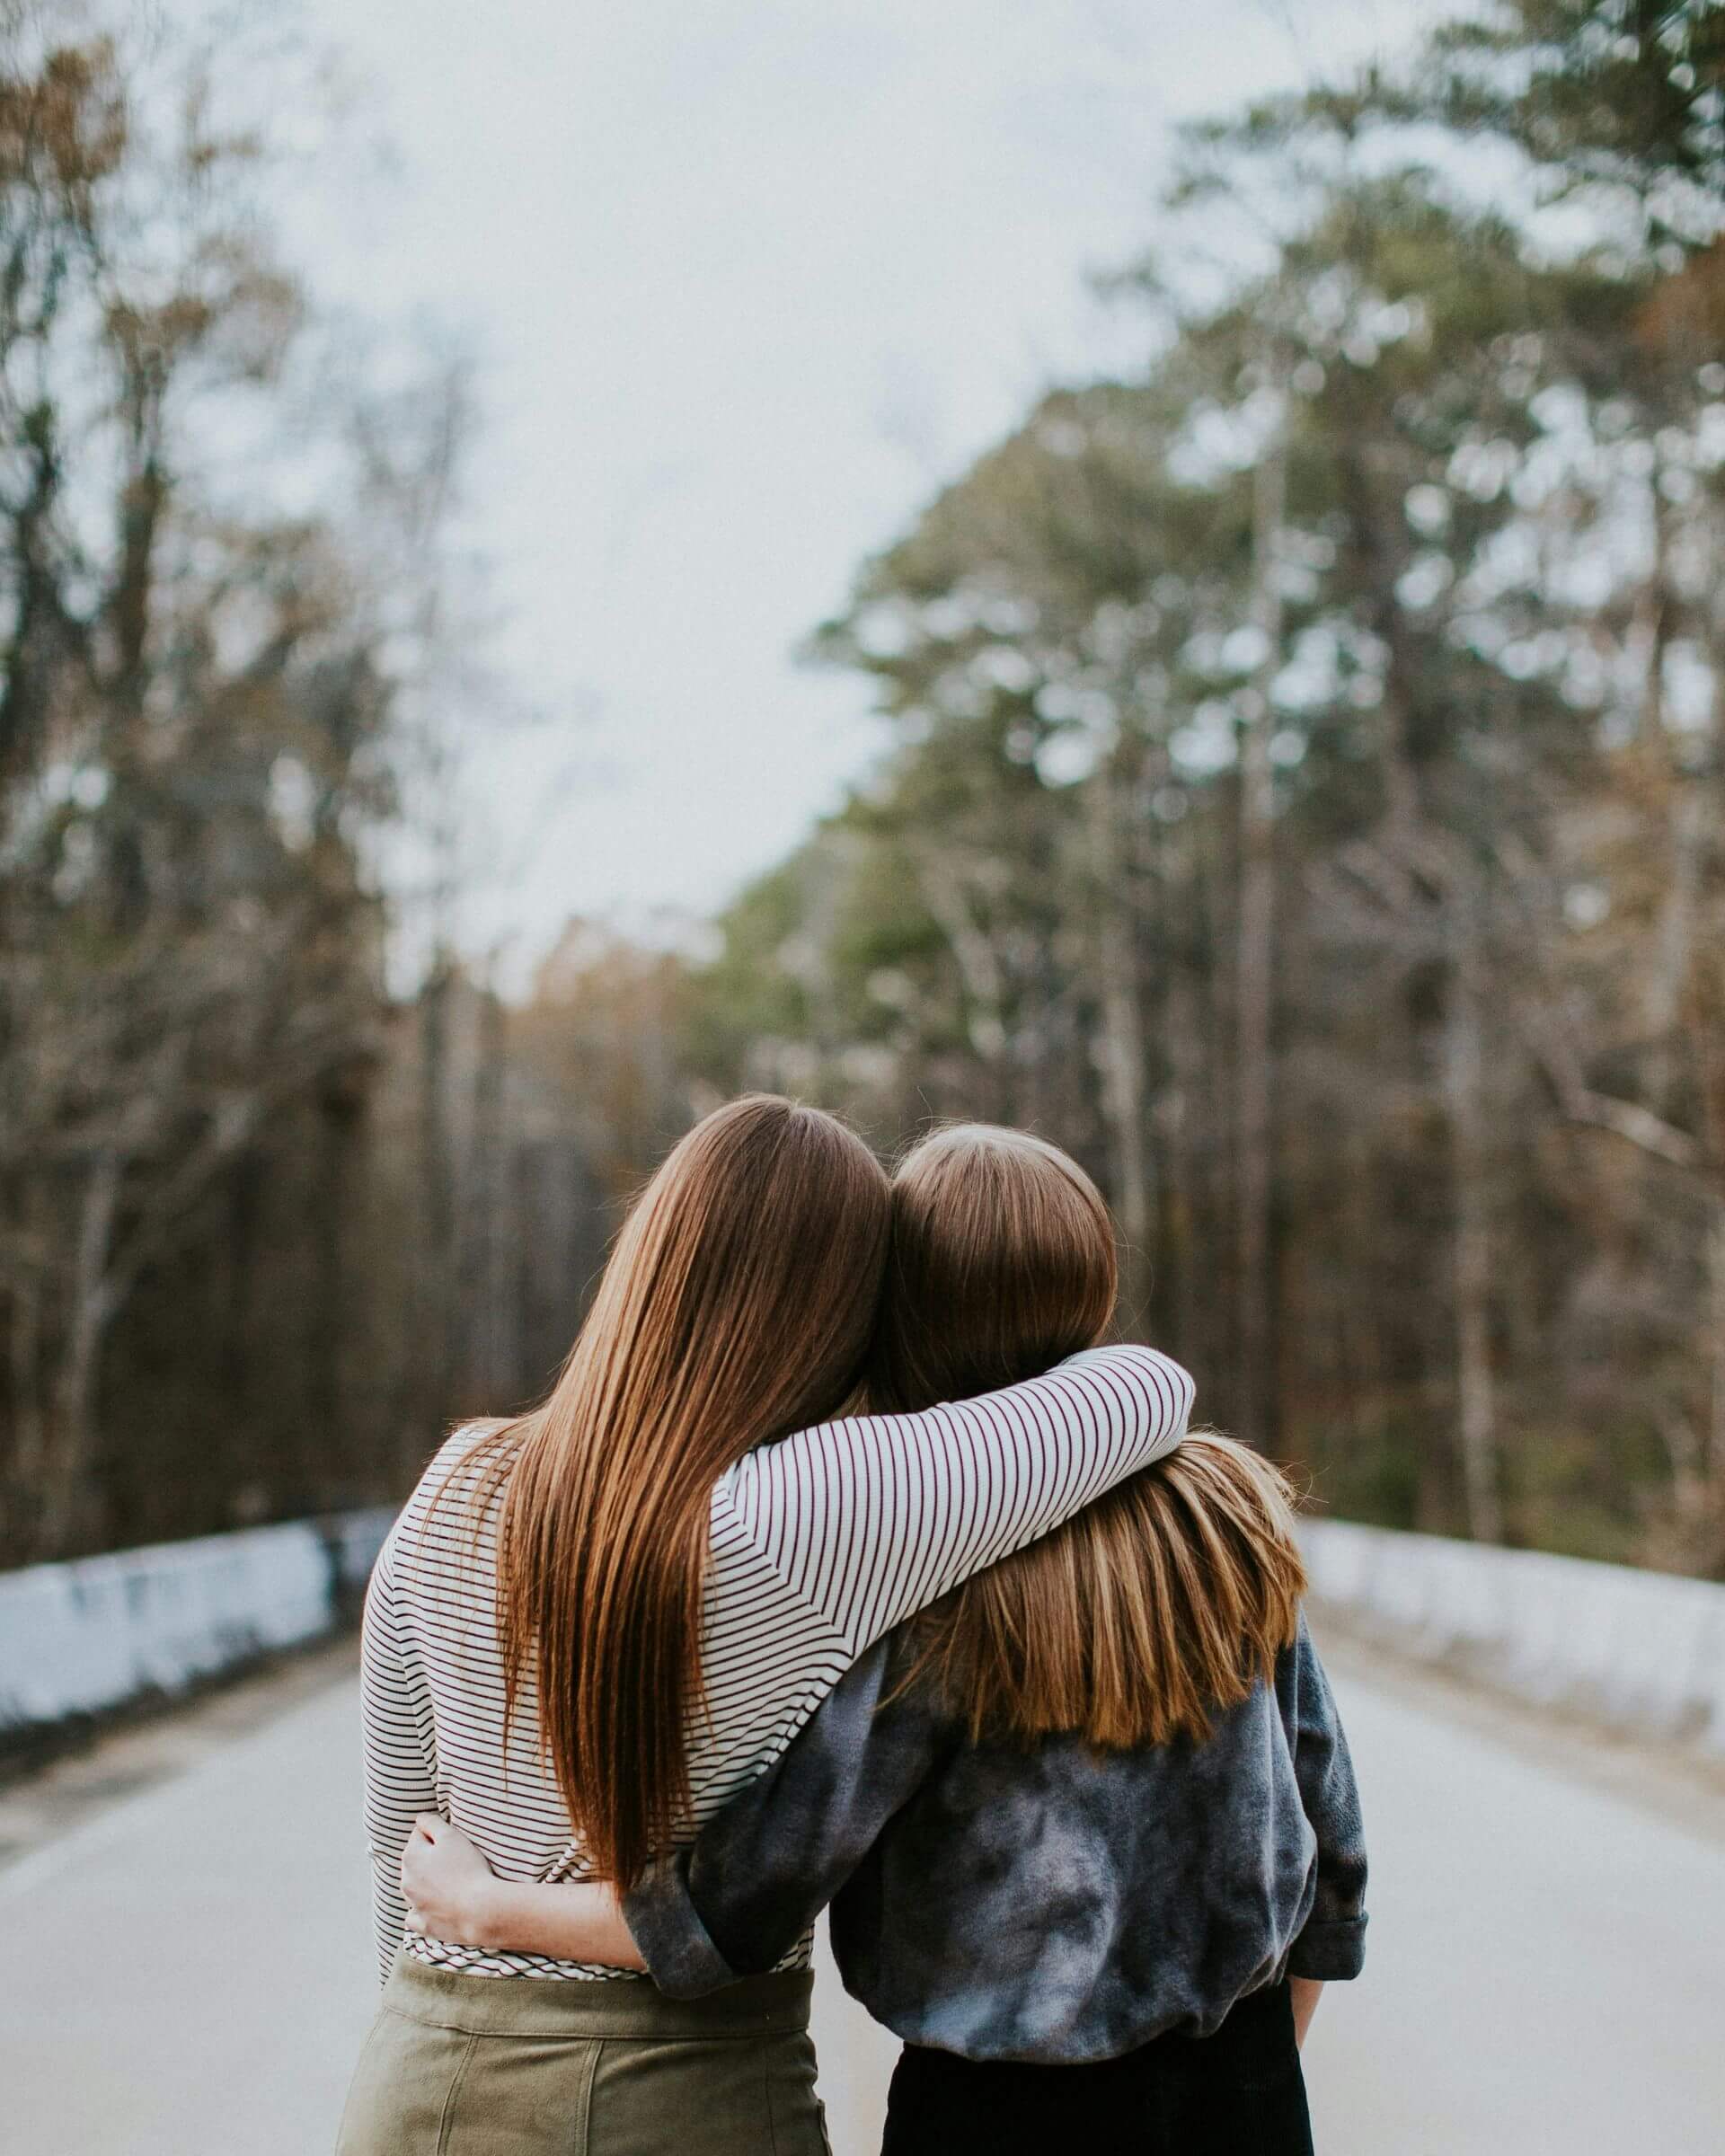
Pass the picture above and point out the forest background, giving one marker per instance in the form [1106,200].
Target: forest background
[1304,798]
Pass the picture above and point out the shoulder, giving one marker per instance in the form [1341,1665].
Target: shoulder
[444,1493]
[883,1710]
[456,1461]
[1302,1681]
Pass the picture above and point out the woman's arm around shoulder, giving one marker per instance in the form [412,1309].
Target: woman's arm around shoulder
[733,1903]
[872,1518]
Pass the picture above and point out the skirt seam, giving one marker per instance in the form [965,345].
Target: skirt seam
[766,2098]
[449,2117]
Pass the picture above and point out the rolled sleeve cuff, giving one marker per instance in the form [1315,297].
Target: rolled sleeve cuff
[1330,1952]
[681,1957]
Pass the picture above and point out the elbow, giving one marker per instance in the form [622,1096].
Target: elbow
[1329,1952]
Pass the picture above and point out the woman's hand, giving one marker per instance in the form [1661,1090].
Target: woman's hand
[449,1887]
[454,1895]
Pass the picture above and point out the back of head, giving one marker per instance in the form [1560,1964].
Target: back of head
[737,1306]
[1164,1600]
[1002,1263]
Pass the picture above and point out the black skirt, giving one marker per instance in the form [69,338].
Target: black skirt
[1237,2093]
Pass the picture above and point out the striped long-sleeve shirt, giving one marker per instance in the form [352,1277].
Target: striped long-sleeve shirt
[819,1546]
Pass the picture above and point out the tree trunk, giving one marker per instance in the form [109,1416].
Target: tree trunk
[484,1296]
[973,952]
[1675,942]
[1713,1456]
[1185,1201]
[340,1111]
[1685,827]
[29,1449]
[1255,965]
[243,1205]
[427,1377]
[1712,1036]
[1122,1044]
[1464,1098]
[66,1498]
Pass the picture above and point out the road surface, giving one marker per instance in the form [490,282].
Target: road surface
[187,1972]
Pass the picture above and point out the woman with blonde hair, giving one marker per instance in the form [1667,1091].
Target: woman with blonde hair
[593,1625]
[1088,1820]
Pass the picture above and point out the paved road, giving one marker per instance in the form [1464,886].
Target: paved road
[187,1974]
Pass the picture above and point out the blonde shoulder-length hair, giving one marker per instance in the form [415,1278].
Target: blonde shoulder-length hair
[1166,1600]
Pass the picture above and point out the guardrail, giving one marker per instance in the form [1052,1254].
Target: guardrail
[1642,1652]
[84,1638]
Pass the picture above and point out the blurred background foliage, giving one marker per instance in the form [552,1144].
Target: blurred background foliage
[1305,800]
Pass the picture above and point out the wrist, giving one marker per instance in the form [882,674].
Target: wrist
[484,1915]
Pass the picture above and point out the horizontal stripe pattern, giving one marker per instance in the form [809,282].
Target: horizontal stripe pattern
[819,1546]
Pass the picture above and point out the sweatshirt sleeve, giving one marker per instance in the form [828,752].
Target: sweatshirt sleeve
[400,1751]
[1332,1944]
[869,1520]
[761,1870]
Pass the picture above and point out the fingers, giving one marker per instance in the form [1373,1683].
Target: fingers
[430,1824]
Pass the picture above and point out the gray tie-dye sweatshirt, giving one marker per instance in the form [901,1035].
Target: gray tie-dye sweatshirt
[1056,1904]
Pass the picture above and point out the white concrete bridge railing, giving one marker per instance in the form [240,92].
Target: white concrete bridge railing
[82,1638]
[1642,1652]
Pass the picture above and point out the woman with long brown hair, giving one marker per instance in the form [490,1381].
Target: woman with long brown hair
[1091,1812]
[592,1625]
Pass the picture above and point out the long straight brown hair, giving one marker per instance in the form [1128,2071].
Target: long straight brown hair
[737,1307]
[1160,1603]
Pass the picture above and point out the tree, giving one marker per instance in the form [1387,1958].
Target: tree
[194,692]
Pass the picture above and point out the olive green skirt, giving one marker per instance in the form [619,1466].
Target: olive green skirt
[518,2065]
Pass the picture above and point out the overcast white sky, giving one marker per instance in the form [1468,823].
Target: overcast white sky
[747,278]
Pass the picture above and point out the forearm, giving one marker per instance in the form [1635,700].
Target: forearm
[951,1490]
[1306,1991]
[759,1873]
[574,1919]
